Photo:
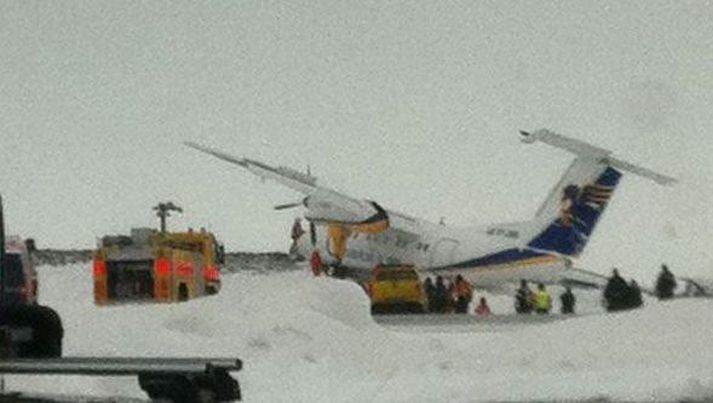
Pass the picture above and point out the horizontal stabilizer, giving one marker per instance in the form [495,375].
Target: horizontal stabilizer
[586,150]
[557,140]
[641,171]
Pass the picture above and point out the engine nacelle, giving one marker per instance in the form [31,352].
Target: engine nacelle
[364,216]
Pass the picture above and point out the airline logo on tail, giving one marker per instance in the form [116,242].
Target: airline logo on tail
[574,197]
[580,210]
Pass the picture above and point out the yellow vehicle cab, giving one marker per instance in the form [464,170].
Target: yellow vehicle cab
[396,289]
[152,266]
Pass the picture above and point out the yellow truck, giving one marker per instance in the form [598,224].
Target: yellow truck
[396,289]
[153,266]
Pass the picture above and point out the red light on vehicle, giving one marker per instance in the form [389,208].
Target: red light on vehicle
[211,273]
[99,268]
[370,290]
[163,267]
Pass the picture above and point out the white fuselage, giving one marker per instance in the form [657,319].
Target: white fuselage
[438,249]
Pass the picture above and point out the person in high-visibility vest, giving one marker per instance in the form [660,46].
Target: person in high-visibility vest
[543,300]
[523,299]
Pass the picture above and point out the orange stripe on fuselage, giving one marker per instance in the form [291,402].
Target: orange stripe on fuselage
[517,264]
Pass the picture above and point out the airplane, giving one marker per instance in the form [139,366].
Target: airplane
[355,235]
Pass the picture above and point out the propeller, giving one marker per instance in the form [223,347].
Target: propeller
[286,206]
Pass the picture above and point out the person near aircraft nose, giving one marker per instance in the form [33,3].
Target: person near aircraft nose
[297,230]
[543,300]
[523,298]
[568,301]
[482,309]
[464,293]
[296,233]
[315,263]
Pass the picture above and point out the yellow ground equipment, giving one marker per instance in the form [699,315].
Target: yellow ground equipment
[396,289]
[156,266]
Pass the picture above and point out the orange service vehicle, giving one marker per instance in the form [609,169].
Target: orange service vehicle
[153,266]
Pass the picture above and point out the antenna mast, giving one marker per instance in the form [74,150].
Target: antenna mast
[163,210]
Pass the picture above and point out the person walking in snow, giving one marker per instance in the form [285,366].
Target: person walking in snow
[523,298]
[451,296]
[430,291]
[463,294]
[615,292]
[665,284]
[440,296]
[482,310]
[635,299]
[568,301]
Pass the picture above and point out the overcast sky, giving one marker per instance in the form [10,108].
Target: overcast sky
[413,104]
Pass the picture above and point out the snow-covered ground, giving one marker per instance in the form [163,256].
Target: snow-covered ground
[305,339]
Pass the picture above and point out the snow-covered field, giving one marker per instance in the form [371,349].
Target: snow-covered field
[305,339]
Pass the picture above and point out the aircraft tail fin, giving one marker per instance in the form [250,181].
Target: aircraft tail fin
[567,218]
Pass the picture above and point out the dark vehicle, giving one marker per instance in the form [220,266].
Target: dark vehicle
[27,330]
[19,275]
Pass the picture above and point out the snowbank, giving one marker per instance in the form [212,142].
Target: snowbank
[305,339]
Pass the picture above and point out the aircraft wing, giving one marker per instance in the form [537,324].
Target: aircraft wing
[579,278]
[551,271]
[323,204]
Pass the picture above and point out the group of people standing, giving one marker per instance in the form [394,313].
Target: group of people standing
[540,301]
[618,295]
[446,296]
[452,296]
[455,296]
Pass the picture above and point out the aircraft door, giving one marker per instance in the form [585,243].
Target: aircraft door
[443,252]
